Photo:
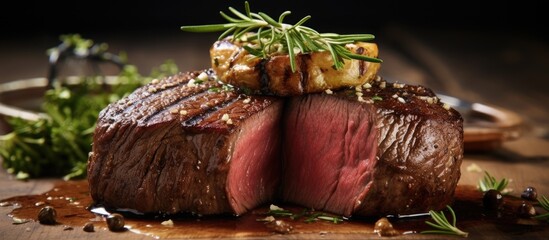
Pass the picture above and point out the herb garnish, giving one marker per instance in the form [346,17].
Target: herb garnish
[490,182]
[58,144]
[309,215]
[543,202]
[274,37]
[376,98]
[442,224]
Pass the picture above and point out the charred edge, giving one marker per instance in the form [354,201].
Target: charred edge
[303,66]
[194,120]
[179,101]
[264,78]
[234,57]
[151,95]
[178,83]
[361,63]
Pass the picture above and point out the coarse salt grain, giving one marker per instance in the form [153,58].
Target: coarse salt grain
[446,106]
[328,91]
[191,83]
[401,100]
[202,76]
[247,100]
[225,117]
[167,223]
[398,85]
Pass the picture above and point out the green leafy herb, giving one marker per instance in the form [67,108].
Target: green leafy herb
[276,37]
[490,182]
[58,144]
[544,203]
[442,224]
[376,98]
[225,88]
[309,215]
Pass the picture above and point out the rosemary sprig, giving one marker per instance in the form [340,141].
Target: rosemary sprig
[309,215]
[490,182]
[442,224]
[544,203]
[275,37]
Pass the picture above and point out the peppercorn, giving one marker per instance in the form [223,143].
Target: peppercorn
[47,215]
[530,193]
[384,228]
[89,227]
[526,209]
[115,222]
[492,199]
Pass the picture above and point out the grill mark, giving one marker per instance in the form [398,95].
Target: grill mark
[361,64]
[154,106]
[234,57]
[304,67]
[144,97]
[179,101]
[264,77]
[196,119]
[143,93]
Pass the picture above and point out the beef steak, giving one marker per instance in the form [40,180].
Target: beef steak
[378,149]
[186,144]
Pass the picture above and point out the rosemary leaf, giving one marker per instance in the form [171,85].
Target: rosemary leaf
[544,203]
[290,50]
[240,15]
[443,225]
[489,182]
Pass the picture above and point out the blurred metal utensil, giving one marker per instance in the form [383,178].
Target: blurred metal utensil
[485,127]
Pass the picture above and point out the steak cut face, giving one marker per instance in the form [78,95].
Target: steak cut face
[187,144]
[379,149]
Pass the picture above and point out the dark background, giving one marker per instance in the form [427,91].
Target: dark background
[102,16]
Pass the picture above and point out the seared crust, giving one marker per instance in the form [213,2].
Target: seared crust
[314,71]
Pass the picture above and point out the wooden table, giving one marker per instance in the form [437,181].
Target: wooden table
[505,71]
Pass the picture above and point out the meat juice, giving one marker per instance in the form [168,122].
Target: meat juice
[75,209]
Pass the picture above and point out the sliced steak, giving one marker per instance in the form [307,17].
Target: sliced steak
[381,149]
[183,144]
